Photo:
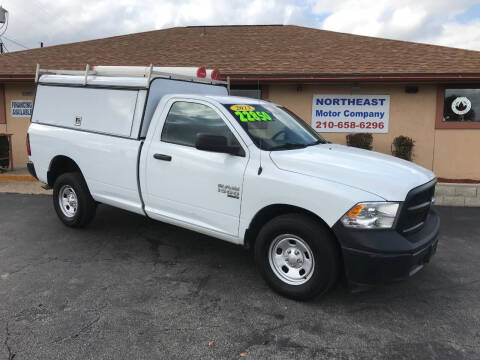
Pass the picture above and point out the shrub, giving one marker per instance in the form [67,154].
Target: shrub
[361,140]
[402,147]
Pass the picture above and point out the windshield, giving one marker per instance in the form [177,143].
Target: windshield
[273,127]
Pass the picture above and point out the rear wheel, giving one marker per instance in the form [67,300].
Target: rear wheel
[72,200]
[297,256]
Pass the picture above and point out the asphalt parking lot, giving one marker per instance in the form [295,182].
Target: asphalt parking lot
[130,288]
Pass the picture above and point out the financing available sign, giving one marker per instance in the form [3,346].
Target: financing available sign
[350,113]
[22,108]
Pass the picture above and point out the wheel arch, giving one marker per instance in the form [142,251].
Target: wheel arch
[271,211]
[59,165]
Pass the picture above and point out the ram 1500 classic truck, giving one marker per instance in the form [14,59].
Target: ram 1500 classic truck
[178,149]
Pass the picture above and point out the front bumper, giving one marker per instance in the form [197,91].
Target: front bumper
[380,256]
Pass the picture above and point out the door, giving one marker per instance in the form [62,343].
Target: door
[191,186]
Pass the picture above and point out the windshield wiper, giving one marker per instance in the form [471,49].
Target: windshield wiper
[288,146]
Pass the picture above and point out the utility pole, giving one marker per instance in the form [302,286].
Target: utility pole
[3,25]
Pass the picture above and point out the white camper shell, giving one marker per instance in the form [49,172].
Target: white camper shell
[114,103]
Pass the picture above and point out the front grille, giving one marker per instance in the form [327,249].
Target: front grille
[415,208]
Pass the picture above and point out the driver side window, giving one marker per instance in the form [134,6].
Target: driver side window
[187,119]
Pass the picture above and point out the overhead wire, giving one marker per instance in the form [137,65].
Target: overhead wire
[3,29]
[16,42]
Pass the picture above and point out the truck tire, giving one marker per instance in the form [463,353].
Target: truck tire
[72,200]
[297,256]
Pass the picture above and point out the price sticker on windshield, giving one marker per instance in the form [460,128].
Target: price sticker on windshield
[246,113]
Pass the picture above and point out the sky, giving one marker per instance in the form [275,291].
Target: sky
[441,22]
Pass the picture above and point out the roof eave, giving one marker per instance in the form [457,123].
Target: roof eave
[458,77]
[320,78]
[17,77]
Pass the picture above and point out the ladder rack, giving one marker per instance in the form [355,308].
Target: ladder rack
[149,73]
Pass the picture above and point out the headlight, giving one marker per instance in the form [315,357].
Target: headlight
[371,215]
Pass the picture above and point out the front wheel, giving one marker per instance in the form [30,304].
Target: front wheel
[72,200]
[297,256]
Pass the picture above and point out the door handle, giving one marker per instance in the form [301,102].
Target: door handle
[162,157]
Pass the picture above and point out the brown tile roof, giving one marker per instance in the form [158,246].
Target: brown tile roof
[273,51]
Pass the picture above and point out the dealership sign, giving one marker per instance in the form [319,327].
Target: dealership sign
[351,113]
[22,108]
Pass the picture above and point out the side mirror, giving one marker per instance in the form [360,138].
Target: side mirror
[217,143]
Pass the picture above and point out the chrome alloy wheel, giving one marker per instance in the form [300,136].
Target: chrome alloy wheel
[291,259]
[68,201]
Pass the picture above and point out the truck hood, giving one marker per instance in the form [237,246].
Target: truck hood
[383,175]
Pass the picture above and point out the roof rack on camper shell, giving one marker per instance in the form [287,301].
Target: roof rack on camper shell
[193,74]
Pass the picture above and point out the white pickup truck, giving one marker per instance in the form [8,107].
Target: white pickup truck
[178,149]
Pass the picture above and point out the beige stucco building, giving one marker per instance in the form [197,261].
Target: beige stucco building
[17,126]
[289,71]
[450,153]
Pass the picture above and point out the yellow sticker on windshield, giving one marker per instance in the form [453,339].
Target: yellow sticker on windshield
[242,108]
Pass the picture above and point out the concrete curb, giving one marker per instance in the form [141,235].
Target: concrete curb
[23,187]
[452,194]
[16,177]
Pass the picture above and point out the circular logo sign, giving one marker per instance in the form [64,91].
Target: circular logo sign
[461,105]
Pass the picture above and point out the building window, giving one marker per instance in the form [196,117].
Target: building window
[461,105]
[458,108]
[3,111]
